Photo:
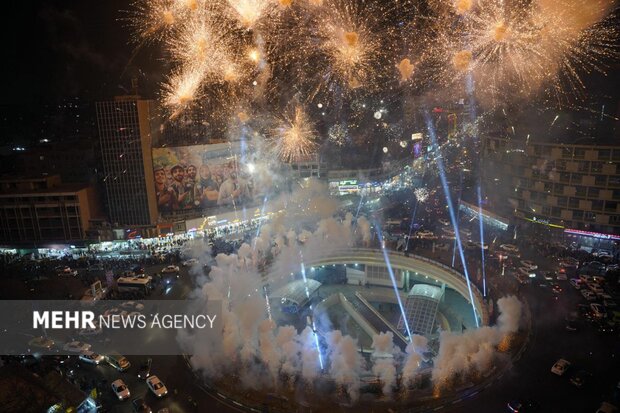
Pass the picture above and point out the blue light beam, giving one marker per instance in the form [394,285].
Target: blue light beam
[446,190]
[391,272]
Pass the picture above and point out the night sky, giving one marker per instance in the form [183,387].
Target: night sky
[63,48]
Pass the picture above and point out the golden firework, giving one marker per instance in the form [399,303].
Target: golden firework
[294,138]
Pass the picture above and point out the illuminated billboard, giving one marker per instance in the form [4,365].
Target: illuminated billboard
[204,177]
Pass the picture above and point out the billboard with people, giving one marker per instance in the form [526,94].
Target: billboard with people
[203,177]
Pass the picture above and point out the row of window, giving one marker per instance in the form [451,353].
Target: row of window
[568,152]
[573,202]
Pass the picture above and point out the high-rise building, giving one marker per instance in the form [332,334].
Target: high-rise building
[565,186]
[127,126]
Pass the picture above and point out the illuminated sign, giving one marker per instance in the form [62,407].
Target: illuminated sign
[542,222]
[416,136]
[487,217]
[592,234]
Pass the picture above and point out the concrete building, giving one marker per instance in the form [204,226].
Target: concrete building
[127,126]
[570,187]
[43,209]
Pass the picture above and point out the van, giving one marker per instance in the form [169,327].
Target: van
[118,361]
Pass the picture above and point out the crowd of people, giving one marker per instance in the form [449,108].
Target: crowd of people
[192,187]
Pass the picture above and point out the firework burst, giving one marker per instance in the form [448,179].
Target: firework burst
[520,47]
[421,194]
[294,138]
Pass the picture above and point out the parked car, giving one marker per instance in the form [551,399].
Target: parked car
[529,264]
[510,248]
[42,343]
[588,295]
[145,369]
[580,378]
[425,234]
[190,262]
[560,367]
[170,269]
[598,310]
[575,282]
[569,261]
[91,358]
[86,332]
[442,246]
[120,389]
[484,247]
[76,347]
[156,386]
[140,406]
[64,270]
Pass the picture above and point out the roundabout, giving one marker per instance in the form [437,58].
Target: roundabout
[353,322]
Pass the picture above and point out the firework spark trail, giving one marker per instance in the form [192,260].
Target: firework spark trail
[294,138]
[181,89]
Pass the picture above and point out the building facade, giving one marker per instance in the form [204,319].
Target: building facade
[42,209]
[565,186]
[127,126]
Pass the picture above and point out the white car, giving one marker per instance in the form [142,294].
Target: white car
[130,305]
[509,248]
[560,367]
[448,233]
[190,262]
[41,342]
[170,269]
[120,389]
[482,246]
[588,295]
[569,262]
[66,271]
[91,358]
[85,332]
[156,386]
[527,272]
[77,347]
[529,264]
[426,234]
[442,246]
[465,231]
